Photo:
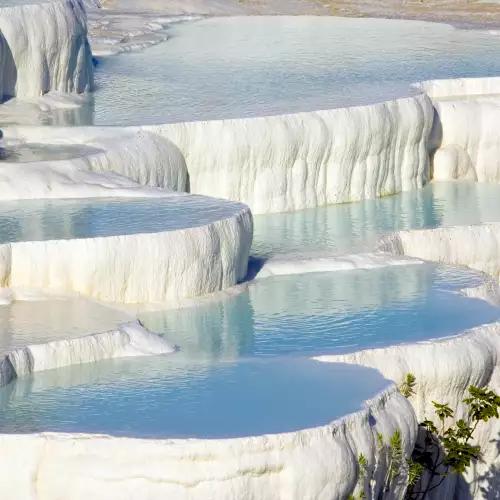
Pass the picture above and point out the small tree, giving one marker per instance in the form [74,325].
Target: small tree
[443,450]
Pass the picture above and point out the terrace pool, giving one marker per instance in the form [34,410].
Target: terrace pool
[253,66]
[171,397]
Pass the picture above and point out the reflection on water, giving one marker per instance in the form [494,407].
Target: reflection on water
[327,312]
[173,397]
[37,220]
[354,227]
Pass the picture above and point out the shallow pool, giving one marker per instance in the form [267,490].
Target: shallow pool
[34,320]
[354,227]
[335,312]
[253,66]
[37,220]
[162,397]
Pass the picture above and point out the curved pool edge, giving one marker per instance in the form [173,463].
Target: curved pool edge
[270,466]
[445,368]
[128,339]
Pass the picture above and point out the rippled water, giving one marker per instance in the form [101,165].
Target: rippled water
[242,368]
[353,227]
[38,220]
[328,312]
[254,66]
[171,397]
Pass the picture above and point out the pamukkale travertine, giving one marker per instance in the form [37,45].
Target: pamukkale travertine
[154,216]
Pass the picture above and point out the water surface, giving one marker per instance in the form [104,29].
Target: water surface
[355,227]
[38,220]
[253,66]
[169,397]
[30,152]
[336,312]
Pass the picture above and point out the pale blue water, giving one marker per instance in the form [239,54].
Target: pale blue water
[38,220]
[353,227]
[170,397]
[241,369]
[321,313]
[29,152]
[254,66]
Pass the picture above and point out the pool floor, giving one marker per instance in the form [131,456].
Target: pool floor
[35,321]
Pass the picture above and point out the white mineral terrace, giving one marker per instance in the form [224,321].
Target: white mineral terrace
[147,350]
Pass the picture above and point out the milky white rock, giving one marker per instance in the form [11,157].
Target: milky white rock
[284,266]
[459,87]
[464,142]
[477,246]
[44,47]
[289,162]
[138,157]
[127,340]
[52,466]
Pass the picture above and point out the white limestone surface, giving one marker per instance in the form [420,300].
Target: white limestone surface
[129,339]
[290,162]
[286,266]
[50,466]
[114,31]
[476,246]
[459,87]
[141,267]
[464,143]
[137,158]
[44,47]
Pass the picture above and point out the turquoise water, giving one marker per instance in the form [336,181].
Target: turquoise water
[171,397]
[354,227]
[321,313]
[242,368]
[254,66]
[344,228]
[38,220]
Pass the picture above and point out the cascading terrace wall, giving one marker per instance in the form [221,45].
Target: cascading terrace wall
[290,162]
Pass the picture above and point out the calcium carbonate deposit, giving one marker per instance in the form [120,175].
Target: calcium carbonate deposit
[224,242]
